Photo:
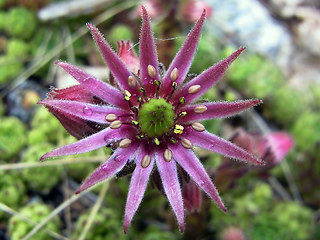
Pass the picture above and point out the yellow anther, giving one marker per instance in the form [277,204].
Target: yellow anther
[136,123]
[139,99]
[157,82]
[173,140]
[141,89]
[156,141]
[182,114]
[127,95]
[182,100]
[140,137]
[174,85]
[178,129]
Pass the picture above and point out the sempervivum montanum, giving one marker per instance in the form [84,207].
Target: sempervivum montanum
[149,116]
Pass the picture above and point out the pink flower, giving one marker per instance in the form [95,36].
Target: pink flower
[151,119]
[192,10]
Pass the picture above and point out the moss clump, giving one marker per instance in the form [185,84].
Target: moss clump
[12,138]
[40,178]
[21,23]
[17,49]
[306,130]
[106,225]
[36,212]
[120,31]
[286,105]
[9,68]
[12,190]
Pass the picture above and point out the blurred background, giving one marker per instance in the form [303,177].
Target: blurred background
[280,65]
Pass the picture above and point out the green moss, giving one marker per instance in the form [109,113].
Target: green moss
[17,49]
[306,130]
[40,178]
[12,190]
[9,69]
[119,31]
[106,225]
[286,105]
[12,138]
[21,22]
[36,212]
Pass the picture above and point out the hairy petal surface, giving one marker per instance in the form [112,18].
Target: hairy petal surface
[138,185]
[117,67]
[101,89]
[216,110]
[206,79]
[184,57]
[148,55]
[192,165]
[216,144]
[90,143]
[86,111]
[113,165]
[171,185]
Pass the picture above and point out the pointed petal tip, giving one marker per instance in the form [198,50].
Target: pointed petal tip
[181,227]
[43,157]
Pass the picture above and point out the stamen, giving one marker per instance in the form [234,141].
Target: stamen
[139,99]
[132,82]
[124,143]
[158,83]
[135,123]
[194,89]
[200,109]
[143,91]
[182,114]
[198,127]
[134,109]
[182,100]
[111,117]
[173,140]
[167,155]
[174,86]
[115,124]
[174,74]
[140,137]
[151,71]
[127,95]
[156,141]
[145,162]
[186,143]
[178,129]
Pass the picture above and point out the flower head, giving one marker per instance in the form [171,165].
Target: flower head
[149,116]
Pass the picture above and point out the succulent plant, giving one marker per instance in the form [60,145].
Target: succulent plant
[21,22]
[12,138]
[41,179]
[36,212]
[12,190]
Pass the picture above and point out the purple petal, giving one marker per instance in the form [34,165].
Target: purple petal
[90,143]
[171,185]
[138,185]
[192,165]
[216,144]
[117,67]
[86,111]
[216,110]
[147,55]
[184,57]
[206,79]
[101,89]
[113,165]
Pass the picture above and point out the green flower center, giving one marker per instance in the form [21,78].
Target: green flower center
[156,117]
